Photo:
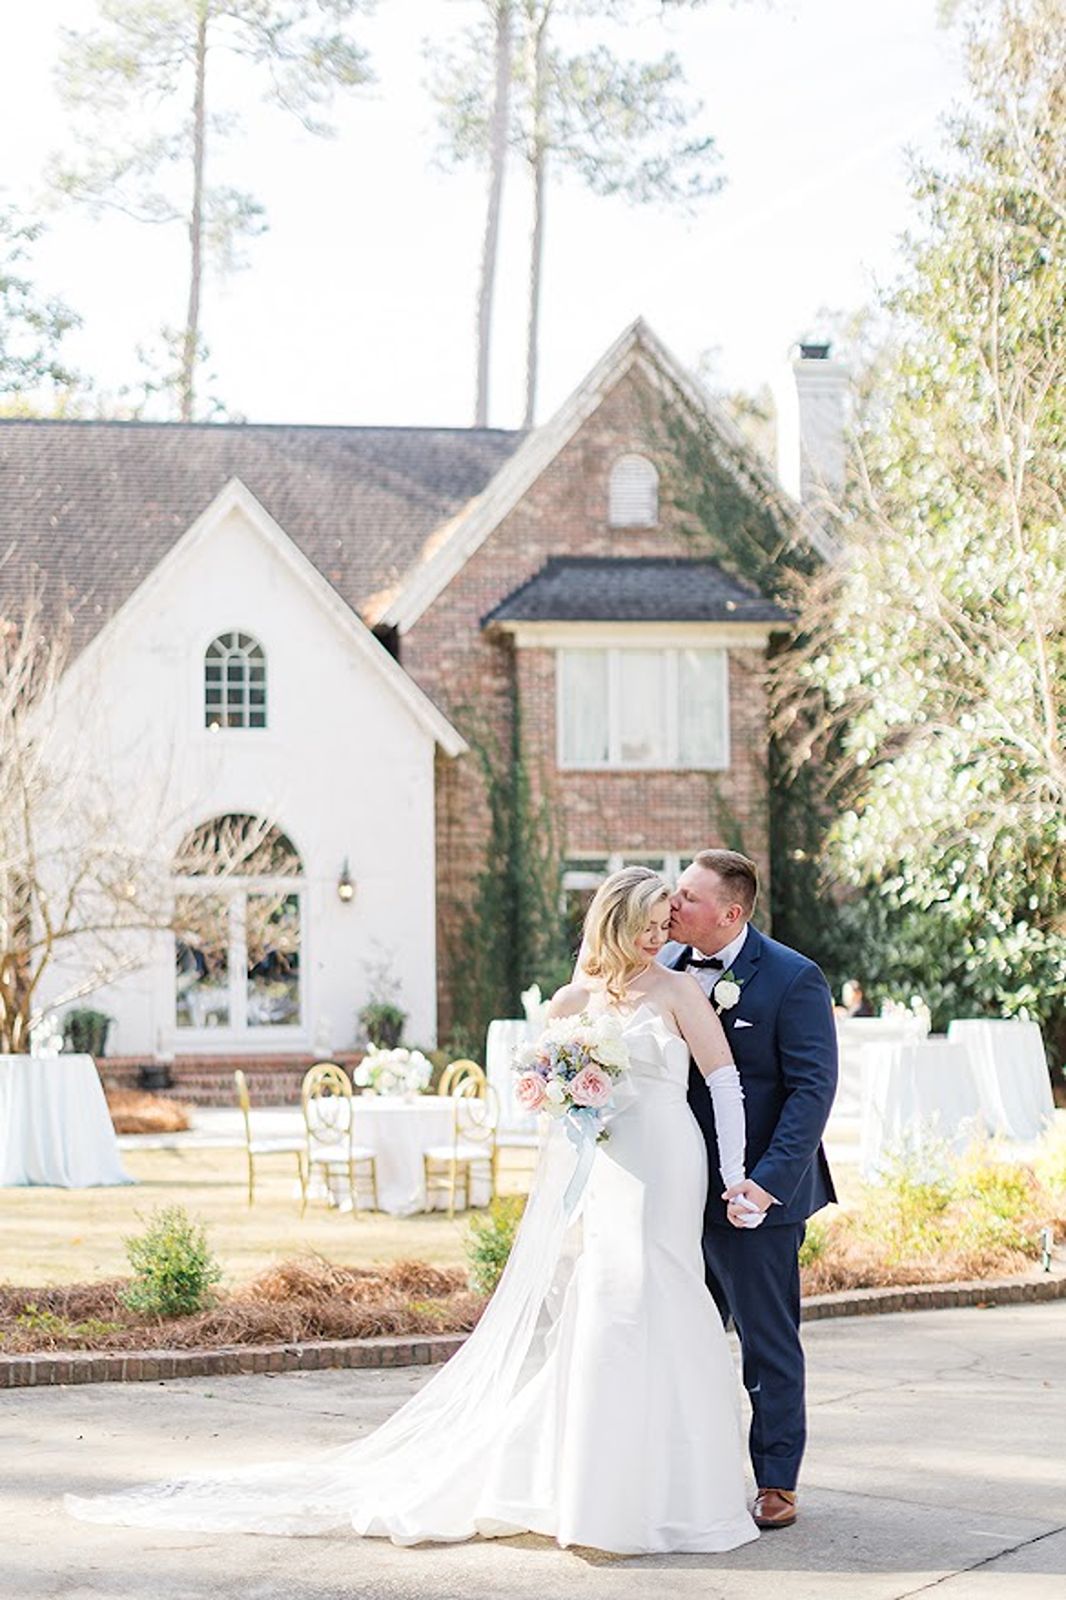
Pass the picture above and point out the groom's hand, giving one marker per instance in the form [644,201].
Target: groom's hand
[752,1192]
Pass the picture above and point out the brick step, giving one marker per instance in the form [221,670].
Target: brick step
[208,1080]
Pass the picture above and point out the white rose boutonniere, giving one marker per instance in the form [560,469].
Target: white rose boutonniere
[726,992]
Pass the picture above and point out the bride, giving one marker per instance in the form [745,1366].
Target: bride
[595,1402]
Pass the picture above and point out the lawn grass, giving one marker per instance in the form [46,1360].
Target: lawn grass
[56,1236]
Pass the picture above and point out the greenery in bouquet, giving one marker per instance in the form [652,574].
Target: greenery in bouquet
[399,1071]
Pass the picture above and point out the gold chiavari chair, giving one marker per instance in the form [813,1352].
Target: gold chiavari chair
[458,1072]
[450,1168]
[266,1147]
[328,1108]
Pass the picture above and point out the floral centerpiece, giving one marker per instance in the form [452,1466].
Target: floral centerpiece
[393,1072]
[573,1070]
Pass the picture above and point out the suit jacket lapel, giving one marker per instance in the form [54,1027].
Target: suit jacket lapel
[746,966]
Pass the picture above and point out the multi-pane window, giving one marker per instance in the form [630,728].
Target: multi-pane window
[235,682]
[643,708]
[237,928]
[582,876]
[633,493]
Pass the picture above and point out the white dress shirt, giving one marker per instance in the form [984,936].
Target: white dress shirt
[707,977]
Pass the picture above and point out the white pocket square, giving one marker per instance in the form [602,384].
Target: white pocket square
[740,1023]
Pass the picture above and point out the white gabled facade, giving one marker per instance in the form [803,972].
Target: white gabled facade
[344,767]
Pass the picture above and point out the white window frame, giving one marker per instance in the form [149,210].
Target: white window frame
[238,1032]
[649,474]
[575,877]
[671,761]
[253,654]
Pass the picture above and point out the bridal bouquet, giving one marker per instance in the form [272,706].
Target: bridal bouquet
[387,1072]
[572,1070]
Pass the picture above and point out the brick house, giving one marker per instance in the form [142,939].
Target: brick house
[374,600]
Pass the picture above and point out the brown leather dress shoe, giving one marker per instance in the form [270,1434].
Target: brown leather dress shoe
[775,1508]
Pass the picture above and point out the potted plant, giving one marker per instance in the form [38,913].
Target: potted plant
[383,1023]
[85,1031]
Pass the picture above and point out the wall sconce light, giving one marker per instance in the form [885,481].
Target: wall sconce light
[345,886]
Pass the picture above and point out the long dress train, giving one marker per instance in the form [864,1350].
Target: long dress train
[596,1400]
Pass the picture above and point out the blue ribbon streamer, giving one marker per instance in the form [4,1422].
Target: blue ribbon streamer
[582,1129]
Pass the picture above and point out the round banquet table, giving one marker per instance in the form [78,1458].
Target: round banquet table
[1008,1058]
[55,1127]
[913,1093]
[399,1132]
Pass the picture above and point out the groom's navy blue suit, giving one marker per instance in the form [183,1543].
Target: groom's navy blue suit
[786,1053]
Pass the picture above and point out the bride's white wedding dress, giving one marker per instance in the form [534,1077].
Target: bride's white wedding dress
[596,1400]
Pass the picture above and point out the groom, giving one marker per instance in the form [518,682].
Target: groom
[777,1013]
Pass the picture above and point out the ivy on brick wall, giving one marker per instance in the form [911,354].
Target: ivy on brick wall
[512,931]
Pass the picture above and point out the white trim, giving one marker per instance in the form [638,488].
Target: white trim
[642,635]
[670,761]
[483,515]
[235,496]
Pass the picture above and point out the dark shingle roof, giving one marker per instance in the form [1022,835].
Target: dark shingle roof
[94,506]
[637,589]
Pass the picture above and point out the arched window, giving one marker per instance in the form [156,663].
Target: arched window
[633,498]
[235,682]
[237,928]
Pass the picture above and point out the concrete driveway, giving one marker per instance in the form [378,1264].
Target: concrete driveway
[937,1463]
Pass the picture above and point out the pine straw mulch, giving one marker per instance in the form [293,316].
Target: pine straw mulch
[851,1264]
[133,1111]
[293,1302]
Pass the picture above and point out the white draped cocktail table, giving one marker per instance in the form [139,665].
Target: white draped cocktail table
[1012,1076]
[55,1127]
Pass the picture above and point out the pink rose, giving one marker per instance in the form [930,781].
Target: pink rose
[529,1091]
[590,1087]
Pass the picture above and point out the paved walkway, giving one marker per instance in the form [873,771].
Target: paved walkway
[937,1466]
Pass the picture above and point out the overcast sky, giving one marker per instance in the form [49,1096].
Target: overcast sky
[358,304]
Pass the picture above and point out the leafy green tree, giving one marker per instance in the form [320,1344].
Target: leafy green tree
[932,680]
[32,327]
[622,127]
[159,57]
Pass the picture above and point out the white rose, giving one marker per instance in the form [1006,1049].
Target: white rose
[555,1093]
[726,994]
[362,1075]
[611,1053]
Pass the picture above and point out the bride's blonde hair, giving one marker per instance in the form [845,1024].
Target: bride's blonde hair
[614,921]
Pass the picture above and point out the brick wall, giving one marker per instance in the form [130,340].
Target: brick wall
[471,675]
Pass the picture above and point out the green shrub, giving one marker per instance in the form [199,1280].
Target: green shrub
[1051,1161]
[174,1270]
[490,1238]
[815,1242]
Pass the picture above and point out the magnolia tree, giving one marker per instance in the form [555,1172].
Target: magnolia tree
[932,679]
[85,877]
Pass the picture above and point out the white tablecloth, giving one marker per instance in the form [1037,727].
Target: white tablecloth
[55,1127]
[853,1035]
[504,1035]
[399,1132]
[1012,1076]
[912,1093]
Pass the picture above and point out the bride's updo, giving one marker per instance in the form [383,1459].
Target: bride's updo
[614,922]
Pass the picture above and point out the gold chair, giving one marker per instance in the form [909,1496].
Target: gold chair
[326,1098]
[266,1147]
[450,1167]
[461,1072]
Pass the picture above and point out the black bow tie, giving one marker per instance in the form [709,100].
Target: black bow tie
[713,962]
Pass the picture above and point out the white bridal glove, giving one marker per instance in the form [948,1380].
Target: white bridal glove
[727,1098]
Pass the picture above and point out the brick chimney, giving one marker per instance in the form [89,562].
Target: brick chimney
[812,417]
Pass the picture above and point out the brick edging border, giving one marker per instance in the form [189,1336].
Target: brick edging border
[153,1366]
